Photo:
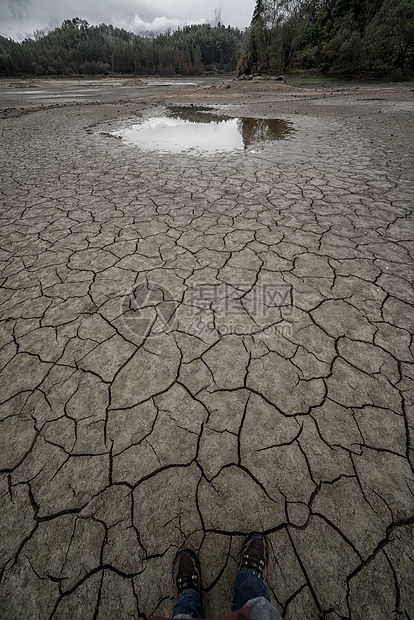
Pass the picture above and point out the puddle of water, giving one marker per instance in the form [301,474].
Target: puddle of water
[84,82]
[43,94]
[26,92]
[198,130]
[172,84]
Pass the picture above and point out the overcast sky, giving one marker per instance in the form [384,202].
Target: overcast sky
[20,18]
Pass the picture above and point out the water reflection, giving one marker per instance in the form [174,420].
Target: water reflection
[199,130]
[257,130]
[252,130]
[197,114]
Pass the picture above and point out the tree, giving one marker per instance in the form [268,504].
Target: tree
[276,31]
[77,47]
[389,38]
[339,36]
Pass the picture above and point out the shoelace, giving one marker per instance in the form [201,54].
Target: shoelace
[258,565]
[187,582]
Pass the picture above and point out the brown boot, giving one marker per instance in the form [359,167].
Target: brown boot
[255,553]
[186,573]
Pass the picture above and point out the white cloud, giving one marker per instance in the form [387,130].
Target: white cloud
[160,24]
[20,18]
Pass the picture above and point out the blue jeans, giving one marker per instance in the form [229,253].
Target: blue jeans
[248,591]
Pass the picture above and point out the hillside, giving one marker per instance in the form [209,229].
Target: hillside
[76,47]
[333,36]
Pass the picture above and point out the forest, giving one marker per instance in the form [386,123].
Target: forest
[354,38]
[76,47]
[337,37]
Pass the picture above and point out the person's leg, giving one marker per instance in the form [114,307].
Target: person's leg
[248,585]
[249,589]
[262,609]
[188,605]
[187,586]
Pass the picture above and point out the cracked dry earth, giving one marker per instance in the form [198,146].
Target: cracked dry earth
[278,398]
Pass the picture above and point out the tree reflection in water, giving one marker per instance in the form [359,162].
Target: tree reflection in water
[197,114]
[256,130]
[253,130]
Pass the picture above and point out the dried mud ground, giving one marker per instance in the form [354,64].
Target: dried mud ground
[278,398]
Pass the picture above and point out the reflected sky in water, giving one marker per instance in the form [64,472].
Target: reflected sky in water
[196,130]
